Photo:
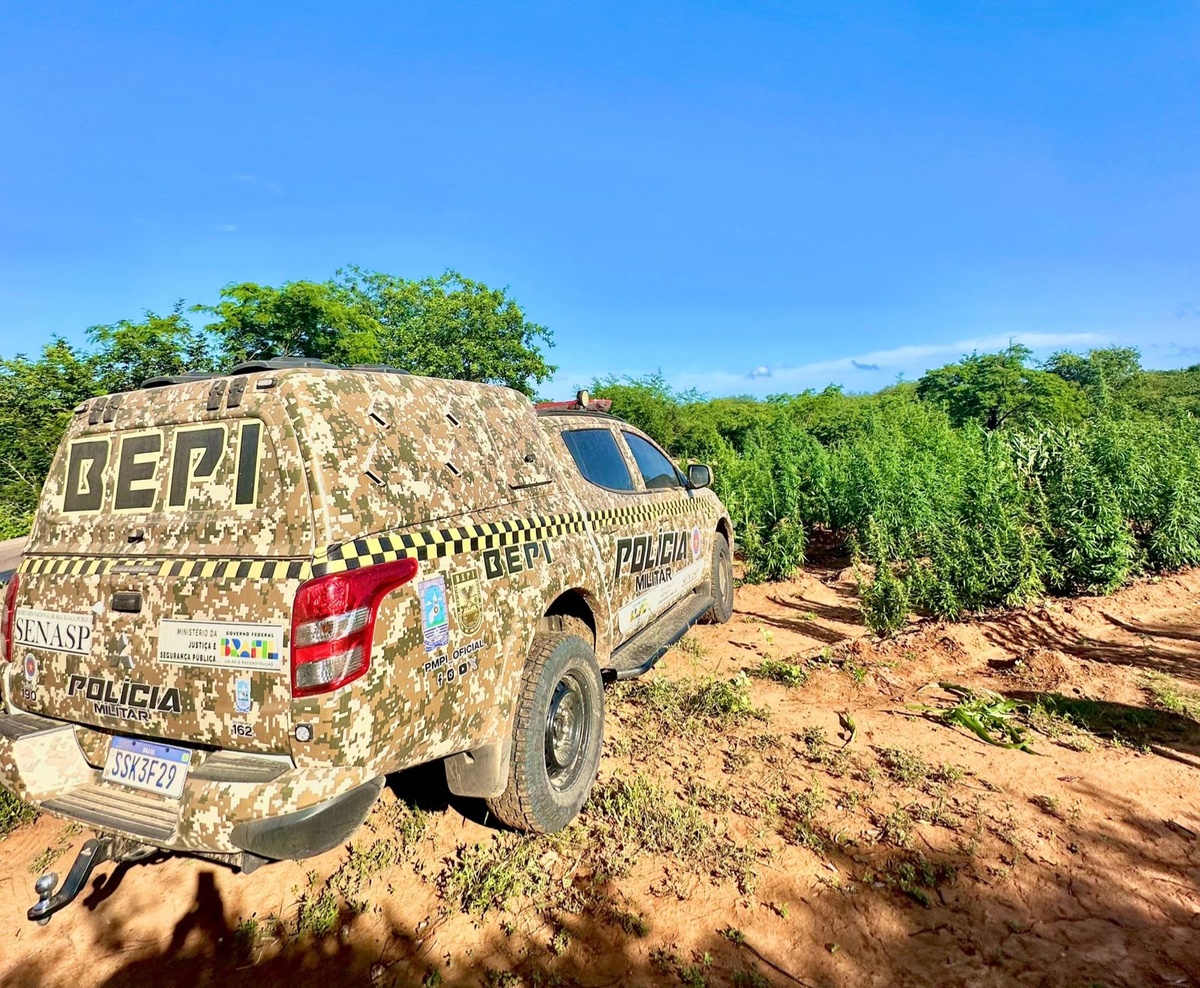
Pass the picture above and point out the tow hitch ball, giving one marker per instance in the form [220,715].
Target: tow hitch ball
[49,902]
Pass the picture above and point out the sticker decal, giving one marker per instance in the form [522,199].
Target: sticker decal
[192,459]
[514,559]
[697,542]
[241,696]
[31,668]
[468,599]
[86,461]
[662,590]
[220,646]
[53,630]
[449,669]
[434,620]
[638,553]
[469,649]
[128,701]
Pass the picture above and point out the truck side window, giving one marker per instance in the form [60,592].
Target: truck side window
[599,460]
[657,471]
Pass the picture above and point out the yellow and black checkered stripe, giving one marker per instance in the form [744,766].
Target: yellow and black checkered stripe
[203,569]
[435,543]
[432,543]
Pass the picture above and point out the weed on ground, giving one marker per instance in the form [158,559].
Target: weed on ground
[13,813]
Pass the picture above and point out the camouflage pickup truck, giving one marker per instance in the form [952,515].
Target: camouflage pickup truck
[247,598]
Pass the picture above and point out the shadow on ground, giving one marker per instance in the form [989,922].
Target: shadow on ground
[899,916]
[1171,650]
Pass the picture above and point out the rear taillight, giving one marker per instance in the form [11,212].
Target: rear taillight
[6,621]
[333,622]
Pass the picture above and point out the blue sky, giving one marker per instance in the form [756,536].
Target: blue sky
[751,197]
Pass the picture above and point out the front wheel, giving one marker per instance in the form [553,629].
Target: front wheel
[720,583]
[558,732]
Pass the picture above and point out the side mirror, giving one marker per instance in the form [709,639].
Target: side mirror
[699,475]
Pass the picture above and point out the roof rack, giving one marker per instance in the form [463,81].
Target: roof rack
[378,368]
[264,364]
[163,380]
[583,403]
[279,363]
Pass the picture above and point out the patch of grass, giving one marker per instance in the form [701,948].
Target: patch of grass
[633,924]
[13,813]
[903,766]
[1047,804]
[398,829]
[915,876]
[251,933]
[690,647]
[896,827]
[708,797]
[679,705]
[485,876]
[731,861]
[947,774]
[848,800]
[319,911]
[638,814]
[42,862]
[62,844]
[778,671]
[734,936]
[1066,720]
[1169,695]
[362,864]
[805,808]
[749,978]
[560,941]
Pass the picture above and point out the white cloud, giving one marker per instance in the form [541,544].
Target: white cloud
[858,372]
[226,228]
[880,367]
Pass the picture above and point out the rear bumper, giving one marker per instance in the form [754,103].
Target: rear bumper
[231,803]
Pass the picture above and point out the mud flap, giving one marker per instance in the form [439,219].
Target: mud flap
[482,772]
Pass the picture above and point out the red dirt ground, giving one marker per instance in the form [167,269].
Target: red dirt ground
[1078,865]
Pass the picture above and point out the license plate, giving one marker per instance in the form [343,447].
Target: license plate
[145,765]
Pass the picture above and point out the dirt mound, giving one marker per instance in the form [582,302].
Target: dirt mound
[784,800]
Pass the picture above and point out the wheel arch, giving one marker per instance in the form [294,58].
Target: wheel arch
[725,527]
[574,603]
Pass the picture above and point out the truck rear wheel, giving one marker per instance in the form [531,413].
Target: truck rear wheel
[720,583]
[558,732]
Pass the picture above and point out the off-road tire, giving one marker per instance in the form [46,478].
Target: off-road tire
[532,801]
[720,583]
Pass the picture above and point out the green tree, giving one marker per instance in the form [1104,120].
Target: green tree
[1111,376]
[37,400]
[998,389]
[298,319]
[129,353]
[449,326]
